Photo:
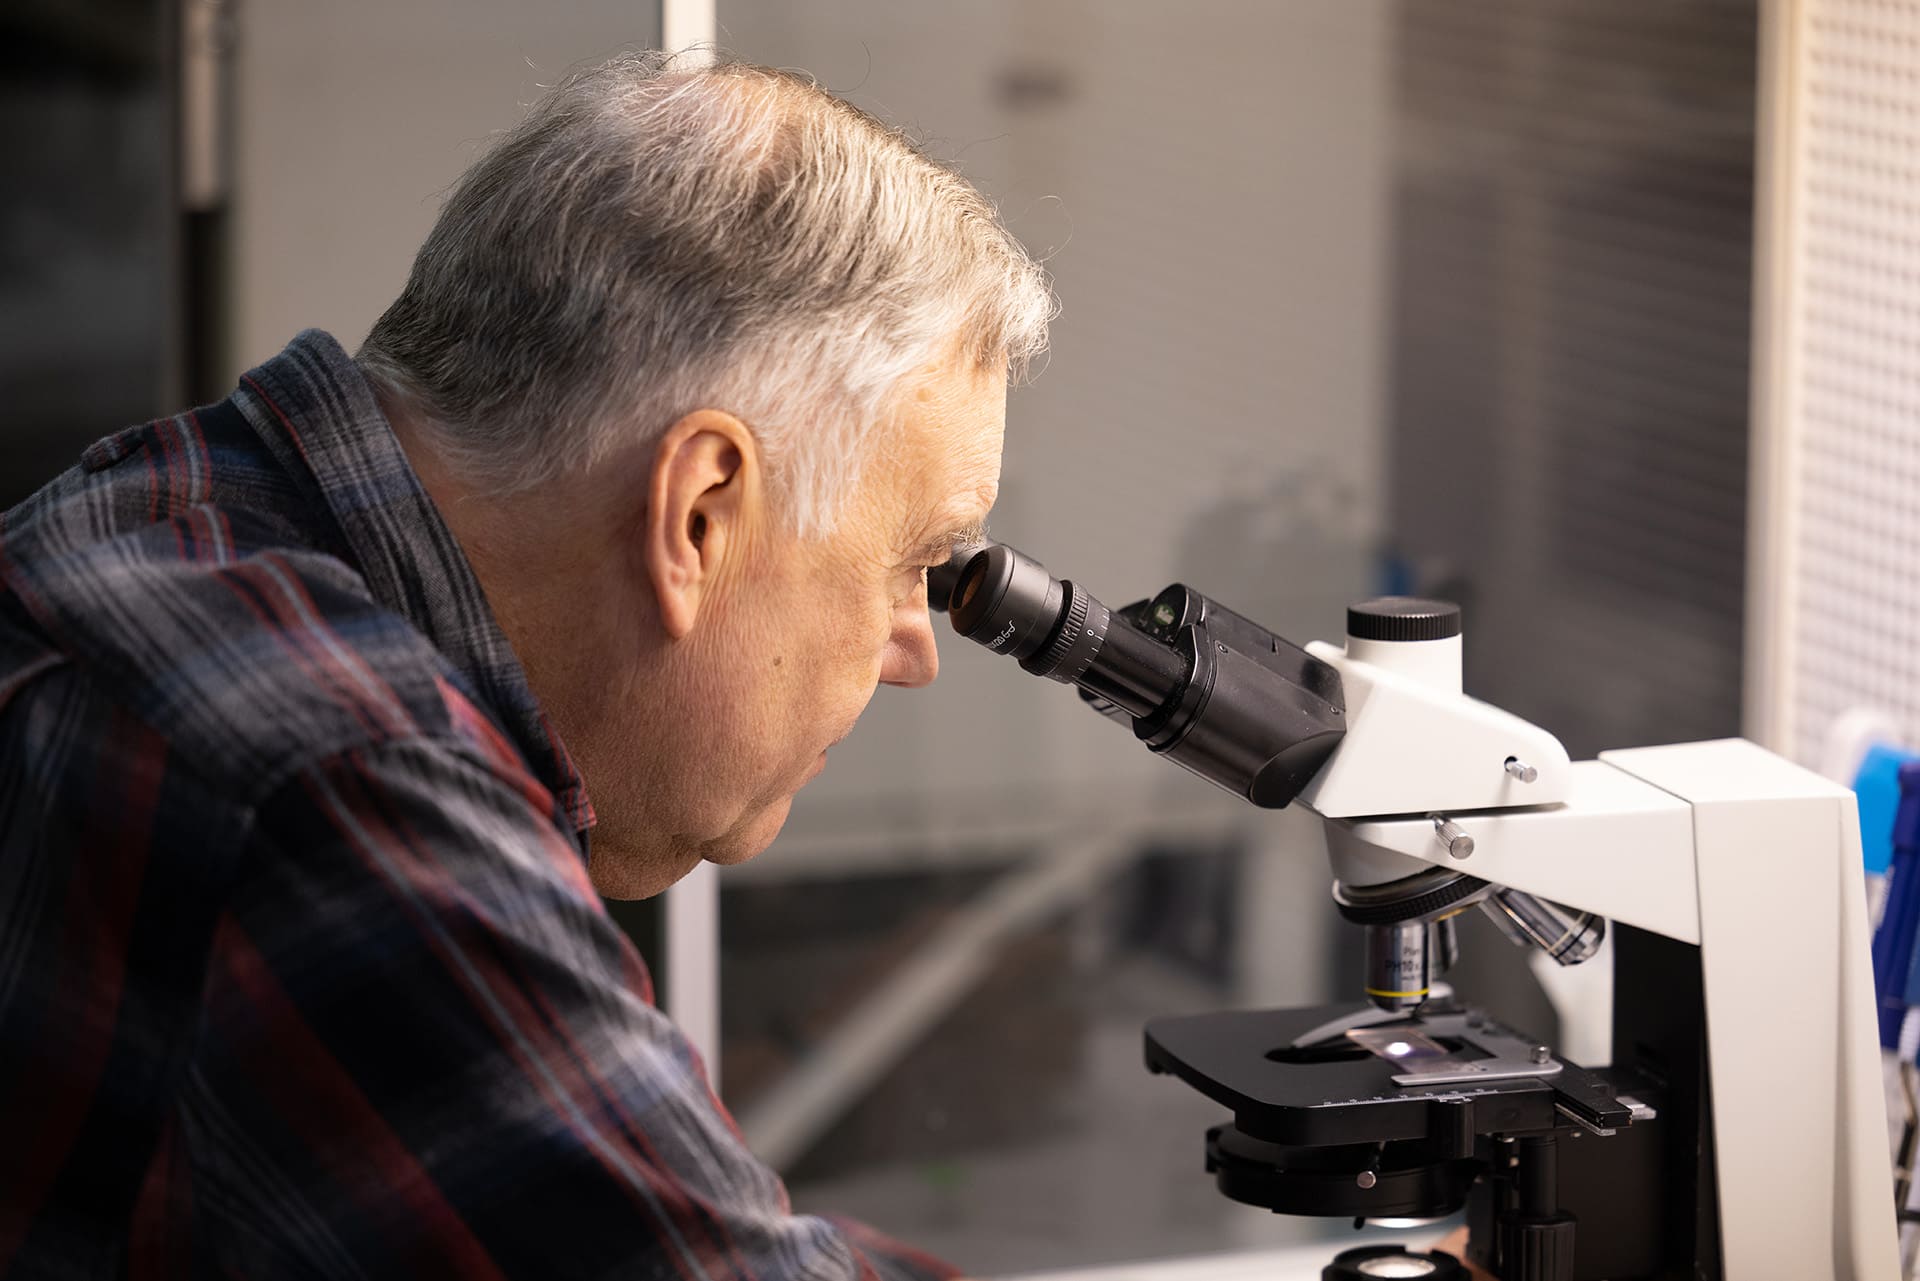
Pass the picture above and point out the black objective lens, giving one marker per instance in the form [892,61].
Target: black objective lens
[1011,604]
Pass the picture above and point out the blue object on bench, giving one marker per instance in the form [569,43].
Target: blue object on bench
[1893,950]
[1877,784]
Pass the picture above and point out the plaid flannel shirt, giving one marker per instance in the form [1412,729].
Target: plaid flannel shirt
[301,973]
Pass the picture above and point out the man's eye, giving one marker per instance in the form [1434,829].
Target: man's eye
[912,585]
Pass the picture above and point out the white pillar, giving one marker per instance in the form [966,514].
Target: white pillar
[693,906]
[685,24]
[692,995]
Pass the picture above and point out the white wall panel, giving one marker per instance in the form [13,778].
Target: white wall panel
[1838,538]
[352,117]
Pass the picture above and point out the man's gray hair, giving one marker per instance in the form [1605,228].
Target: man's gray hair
[653,239]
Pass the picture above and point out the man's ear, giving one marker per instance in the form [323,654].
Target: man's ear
[703,500]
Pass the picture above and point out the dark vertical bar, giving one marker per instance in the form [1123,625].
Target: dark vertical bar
[1659,1030]
[205,295]
[202,32]
[1539,1176]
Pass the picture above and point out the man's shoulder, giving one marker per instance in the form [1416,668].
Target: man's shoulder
[218,622]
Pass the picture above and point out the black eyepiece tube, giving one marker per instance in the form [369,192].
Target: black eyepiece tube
[1218,694]
[1132,670]
[1009,603]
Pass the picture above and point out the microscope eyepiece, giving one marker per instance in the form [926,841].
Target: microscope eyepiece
[1220,695]
[943,580]
[1006,601]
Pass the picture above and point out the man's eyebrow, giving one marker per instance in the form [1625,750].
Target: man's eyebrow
[958,536]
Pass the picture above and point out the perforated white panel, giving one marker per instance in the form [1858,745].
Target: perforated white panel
[1851,409]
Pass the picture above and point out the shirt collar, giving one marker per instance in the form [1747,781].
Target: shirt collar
[317,412]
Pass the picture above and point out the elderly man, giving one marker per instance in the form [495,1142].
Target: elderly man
[631,494]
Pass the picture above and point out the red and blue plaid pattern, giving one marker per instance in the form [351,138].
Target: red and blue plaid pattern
[301,973]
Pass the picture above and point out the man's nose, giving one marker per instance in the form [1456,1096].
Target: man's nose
[911,659]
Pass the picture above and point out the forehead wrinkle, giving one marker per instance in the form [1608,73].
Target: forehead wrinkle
[963,512]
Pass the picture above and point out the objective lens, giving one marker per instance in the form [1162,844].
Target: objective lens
[1397,965]
[1567,935]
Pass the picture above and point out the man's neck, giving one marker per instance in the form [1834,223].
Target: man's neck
[530,551]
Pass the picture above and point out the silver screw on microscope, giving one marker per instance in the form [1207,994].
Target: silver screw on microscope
[1458,843]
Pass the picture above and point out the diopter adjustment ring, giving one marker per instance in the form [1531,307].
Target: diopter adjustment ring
[1411,898]
[1070,648]
[1065,635]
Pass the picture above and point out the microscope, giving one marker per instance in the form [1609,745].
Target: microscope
[1740,1131]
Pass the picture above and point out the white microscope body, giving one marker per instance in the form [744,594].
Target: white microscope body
[1743,1002]
[1721,845]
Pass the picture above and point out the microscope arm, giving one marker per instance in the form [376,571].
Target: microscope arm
[1617,846]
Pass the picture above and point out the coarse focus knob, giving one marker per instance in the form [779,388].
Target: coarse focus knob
[1403,618]
[1538,1247]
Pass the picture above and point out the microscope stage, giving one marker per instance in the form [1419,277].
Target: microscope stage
[1336,1091]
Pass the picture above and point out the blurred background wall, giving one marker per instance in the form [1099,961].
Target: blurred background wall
[350,119]
[1357,296]
[1572,265]
[92,269]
